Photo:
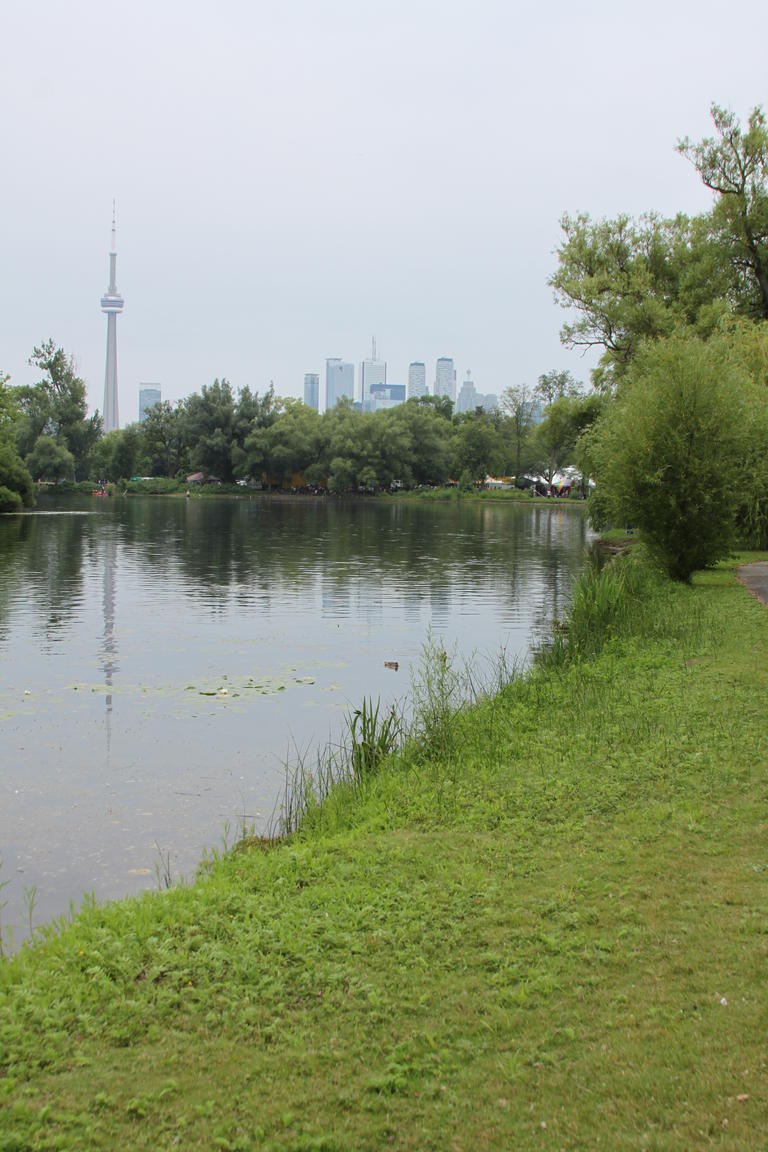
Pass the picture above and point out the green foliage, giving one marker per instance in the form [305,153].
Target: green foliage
[50,460]
[631,281]
[56,408]
[517,403]
[9,411]
[224,435]
[564,422]
[734,165]
[619,598]
[162,438]
[372,738]
[669,451]
[251,411]
[290,443]
[478,449]
[116,456]
[16,486]
[208,419]
[555,385]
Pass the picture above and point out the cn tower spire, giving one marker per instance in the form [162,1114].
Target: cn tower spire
[112,304]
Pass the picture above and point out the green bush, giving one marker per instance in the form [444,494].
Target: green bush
[669,451]
[16,487]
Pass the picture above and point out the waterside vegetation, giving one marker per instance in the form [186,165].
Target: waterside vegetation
[540,919]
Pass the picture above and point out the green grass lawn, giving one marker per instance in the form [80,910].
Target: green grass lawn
[551,935]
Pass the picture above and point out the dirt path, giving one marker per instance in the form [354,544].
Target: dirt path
[755,577]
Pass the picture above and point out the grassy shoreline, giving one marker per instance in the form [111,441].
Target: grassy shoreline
[179,489]
[545,926]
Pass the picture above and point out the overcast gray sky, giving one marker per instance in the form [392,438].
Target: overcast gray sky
[294,177]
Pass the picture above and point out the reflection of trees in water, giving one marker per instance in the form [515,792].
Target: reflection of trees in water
[41,565]
[354,556]
[563,557]
[346,556]
[10,532]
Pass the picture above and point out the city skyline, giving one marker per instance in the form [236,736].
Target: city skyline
[371,390]
[282,248]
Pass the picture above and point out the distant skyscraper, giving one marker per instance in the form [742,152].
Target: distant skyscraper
[312,390]
[373,371]
[339,381]
[149,395]
[445,378]
[112,304]
[386,396]
[417,379]
[468,398]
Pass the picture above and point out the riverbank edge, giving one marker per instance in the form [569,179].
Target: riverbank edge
[232,492]
[451,853]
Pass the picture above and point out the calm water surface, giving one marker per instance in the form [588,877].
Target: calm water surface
[159,657]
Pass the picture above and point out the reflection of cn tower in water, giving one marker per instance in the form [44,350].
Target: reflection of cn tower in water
[109,645]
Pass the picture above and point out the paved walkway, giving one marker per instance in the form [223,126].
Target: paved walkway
[755,577]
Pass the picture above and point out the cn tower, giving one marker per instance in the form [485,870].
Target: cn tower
[112,304]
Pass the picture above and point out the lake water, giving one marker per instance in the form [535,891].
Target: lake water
[159,657]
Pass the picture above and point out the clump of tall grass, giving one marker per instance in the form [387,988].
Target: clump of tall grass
[368,737]
[422,728]
[371,738]
[622,598]
[438,692]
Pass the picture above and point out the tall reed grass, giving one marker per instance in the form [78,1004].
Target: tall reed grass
[623,598]
[368,737]
[422,727]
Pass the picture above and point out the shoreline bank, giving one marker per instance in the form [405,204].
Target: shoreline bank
[551,924]
[432,495]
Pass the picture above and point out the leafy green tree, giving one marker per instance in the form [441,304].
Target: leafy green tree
[392,451]
[289,444]
[116,455]
[441,404]
[517,403]
[162,437]
[553,385]
[100,460]
[346,451]
[669,450]
[342,474]
[429,433]
[208,419]
[251,411]
[16,486]
[9,411]
[50,460]
[557,436]
[477,448]
[57,408]
[630,281]
[734,165]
